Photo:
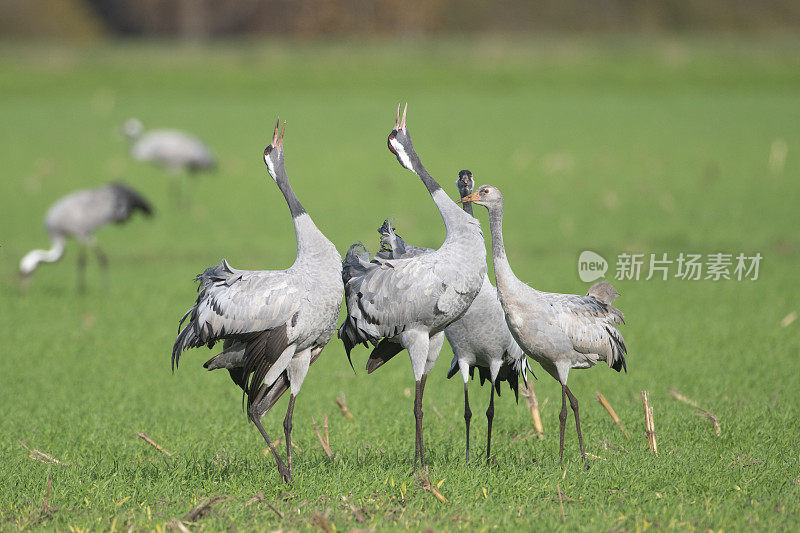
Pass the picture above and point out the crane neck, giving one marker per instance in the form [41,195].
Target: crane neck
[310,240]
[295,207]
[466,206]
[449,210]
[503,275]
[32,259]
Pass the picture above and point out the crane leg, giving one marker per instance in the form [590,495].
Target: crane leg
[467,415]
[419,453]
[82,269]
[573,402]
[562,417]
[489,418]
[287,431]
[176,190]
[102,260]
[255,416]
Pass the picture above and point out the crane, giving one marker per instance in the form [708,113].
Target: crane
[272,323]
[559,331]
[480,339]
[406,303]
[174,150]
[78,215]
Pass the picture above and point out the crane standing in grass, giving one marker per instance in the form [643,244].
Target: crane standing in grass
[406,303]
[78,215]
[480,339]
[273,323]
[174,150]
[560,331]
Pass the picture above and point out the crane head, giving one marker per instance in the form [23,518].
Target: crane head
[465,183]
[486,195]
[273,153]
[133,128]
[399,140]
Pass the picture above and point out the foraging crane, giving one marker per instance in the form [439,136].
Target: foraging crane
[78,215]
[174,150]
[406,303]
[273,323]
[480,339]
[559,331]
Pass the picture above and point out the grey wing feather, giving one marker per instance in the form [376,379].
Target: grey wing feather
[385,297]
[394,247]
[603,291]
[589,324]
[234,302]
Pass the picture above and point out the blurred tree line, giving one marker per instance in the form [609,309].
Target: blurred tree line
[202,19]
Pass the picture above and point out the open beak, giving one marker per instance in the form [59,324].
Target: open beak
[400,124]
[469,198]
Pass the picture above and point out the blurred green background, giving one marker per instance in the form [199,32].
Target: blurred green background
[611,126]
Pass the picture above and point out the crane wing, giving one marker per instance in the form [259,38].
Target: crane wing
[394,247]
[589,324]
[236,303]
[385,297]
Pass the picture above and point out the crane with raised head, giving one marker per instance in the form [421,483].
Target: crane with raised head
[480,339]
[406,303]
[273,324]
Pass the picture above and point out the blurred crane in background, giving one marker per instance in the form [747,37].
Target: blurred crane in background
[78,215]
[176,151]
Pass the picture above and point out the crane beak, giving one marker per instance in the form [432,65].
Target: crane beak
[469,198]
[400,123]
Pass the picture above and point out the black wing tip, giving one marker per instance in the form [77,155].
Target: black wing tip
[620,364]
[349,341]
[386,228]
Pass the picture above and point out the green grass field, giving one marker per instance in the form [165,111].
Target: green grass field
[613,145]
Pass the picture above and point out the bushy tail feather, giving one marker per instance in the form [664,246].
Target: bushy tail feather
[350,338]
[192,335]
[454,368]
[603,291]
[392,245]
[509,371]
[618,350]
[355,259]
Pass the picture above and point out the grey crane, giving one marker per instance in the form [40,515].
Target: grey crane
[406,303]
[559,331]
[77,216]
[174,150]
[480,339]
[273,323]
